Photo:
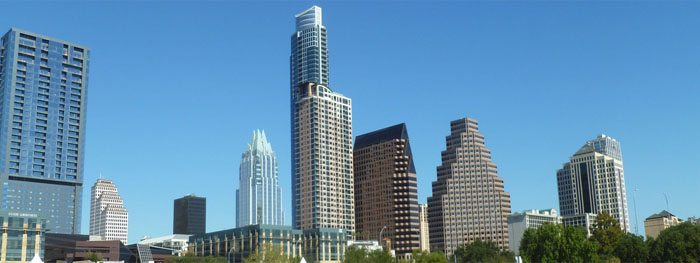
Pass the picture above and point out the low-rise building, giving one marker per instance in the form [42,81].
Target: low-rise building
[23,236]
[583,220]
[177,242]
[322,245]
[73,248]
[656,223]
[519,222]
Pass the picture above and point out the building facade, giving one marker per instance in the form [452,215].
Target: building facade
[424,230]
[23,236]
[190,215]
[519,222]
[109,218]
[386,189]
[586,221]
[43,92]
[322,168]
[469,201]
[316,245]
[259,199]
[593,181]
[176,242]
[656,223]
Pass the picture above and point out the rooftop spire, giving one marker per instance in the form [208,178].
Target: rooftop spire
[259,142]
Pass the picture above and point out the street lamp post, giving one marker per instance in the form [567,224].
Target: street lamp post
[381,241]
[229,254]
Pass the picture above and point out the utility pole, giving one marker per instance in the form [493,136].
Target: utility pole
[636,221]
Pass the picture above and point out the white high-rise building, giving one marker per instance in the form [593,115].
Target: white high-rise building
[424,229]
[259,199]
[593,181]
[519,222]
[108,217]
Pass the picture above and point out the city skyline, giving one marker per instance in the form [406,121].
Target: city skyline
[138,153]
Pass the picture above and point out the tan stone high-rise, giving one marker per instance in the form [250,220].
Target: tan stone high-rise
[322,180]
[469,201]
[386,193]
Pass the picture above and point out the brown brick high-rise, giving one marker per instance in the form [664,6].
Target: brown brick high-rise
[386,192]
[469,201]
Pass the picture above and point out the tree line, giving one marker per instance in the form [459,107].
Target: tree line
[608,243]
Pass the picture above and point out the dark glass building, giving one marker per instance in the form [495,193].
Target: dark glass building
[190,215]
[386,192]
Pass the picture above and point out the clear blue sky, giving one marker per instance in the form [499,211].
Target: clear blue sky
[176,89]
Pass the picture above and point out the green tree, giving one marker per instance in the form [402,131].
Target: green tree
[631,248]
[356,254]
[606,232]
[482,251]
[267,253]
[557,243]
[429,257]
[95,257]
[679,243]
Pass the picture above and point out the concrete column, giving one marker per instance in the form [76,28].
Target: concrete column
[37,239]
[24,243]
[4,242]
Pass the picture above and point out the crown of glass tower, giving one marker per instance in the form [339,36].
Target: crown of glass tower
[43,86]
[259,199]
[309,58]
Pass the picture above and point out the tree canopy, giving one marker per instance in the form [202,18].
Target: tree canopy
[557,243]
[356,254]
[482,251]
[679,243]
[429,257]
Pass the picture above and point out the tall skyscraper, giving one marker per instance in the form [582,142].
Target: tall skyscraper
[323,195]
[43,87]
[108,217]
[259,199]
[386,190]
[190,215]
[593,181]
[469,201]
[424,229]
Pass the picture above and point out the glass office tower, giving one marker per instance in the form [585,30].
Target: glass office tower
[321,123]
[259,197]
[43,89]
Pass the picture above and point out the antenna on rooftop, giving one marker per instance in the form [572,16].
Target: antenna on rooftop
[666,196]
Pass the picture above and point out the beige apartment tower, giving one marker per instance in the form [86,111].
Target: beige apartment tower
[469,201]
[386,193]
[323,174]
[656,223]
